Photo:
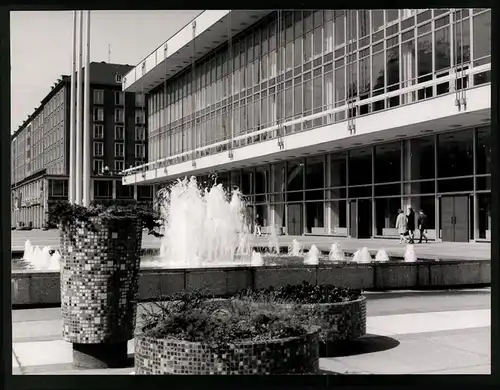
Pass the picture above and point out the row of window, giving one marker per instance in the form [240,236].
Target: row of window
[119,97]
[120,115]
[410,51]
[140,132]
[140,150]
[99,168]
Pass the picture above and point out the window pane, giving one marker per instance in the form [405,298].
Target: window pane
[388,162]
[295,176]
[393,66]
[483,150]
[318,93]
[318,41]
[297,52]
[419,163]
[386,212]
[328,91]
[307,47]
[315,172]
[298,99]
[339,28]
[462,47]
[360,166]
[340,85]
[377,19]
[363,23]
[378,75]
[442,45]
[289,55]
[307,95]
[338,170]
[424,55]
[482,35]
[328,36]
[288,103]
[455,154]
[364,75]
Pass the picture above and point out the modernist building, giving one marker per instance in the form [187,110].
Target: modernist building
[40,147]
[329,121]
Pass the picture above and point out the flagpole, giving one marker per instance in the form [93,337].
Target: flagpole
[72,135]
[86,121]
[78,142]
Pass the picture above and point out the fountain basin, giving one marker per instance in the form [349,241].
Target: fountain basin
[36,288]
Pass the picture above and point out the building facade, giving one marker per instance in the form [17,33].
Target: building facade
[40,147]
[329,121]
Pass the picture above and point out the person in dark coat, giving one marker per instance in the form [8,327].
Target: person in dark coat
[422,226]
[410,224]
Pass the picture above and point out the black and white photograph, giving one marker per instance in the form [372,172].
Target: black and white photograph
[251,192]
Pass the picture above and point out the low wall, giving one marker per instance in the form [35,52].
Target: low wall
[32,288]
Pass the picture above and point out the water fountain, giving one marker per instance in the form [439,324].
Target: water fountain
[203,228]
[410,255]
[312,257]
[362,256]
[274,246]
[336,254]
[41,258]
[295,249]
[382,255]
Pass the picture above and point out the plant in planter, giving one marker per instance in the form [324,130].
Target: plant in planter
[339,312]
[193,335]
[100,260]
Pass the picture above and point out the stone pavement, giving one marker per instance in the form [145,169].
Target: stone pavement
[471,251]
[409,332]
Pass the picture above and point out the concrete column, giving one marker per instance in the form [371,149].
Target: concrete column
[114,189]
[86,119]
[135,191]
[92,189]
[79,139]
[72,135]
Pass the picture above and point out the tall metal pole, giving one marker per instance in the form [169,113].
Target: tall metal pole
[72,135]
[86,121]
[78,142]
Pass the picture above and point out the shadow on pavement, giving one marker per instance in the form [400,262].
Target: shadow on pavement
[366,344]
[463,290]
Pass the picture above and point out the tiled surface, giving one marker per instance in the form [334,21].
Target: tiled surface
[436,337]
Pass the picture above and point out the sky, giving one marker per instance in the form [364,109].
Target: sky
[41,47]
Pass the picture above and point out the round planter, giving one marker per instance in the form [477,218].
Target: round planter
[100,261]
[343,321]
[294,355]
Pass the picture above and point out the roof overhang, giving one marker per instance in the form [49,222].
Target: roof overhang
[211,29]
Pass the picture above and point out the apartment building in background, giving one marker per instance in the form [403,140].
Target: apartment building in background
[40,147]
[329,121]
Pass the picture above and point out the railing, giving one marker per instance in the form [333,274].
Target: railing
[272,131]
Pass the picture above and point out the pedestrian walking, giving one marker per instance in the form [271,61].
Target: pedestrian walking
[401,225]
[410,224]
[257,225]
[422,226]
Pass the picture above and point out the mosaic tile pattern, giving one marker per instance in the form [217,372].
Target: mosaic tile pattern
[297,355]
[100,262]
[337,321]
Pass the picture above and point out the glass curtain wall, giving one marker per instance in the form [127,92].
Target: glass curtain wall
[311,195]
[316,61]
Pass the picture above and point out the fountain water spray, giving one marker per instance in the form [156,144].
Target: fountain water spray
[295,249]
[410,255]
[382,255]
[202,227]
[336,254]
[362,256]
[41,259]
[257,260]
[312,257]
[274,245]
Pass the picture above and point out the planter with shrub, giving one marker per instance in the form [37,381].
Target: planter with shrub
[100,260]
[339,312]
[191,335]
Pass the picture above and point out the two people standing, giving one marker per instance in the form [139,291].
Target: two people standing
[406,225]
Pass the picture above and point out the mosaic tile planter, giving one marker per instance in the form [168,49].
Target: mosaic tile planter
[99,286]
[342,321]
[295,355]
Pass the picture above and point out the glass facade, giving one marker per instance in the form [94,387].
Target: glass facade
[319,194]
[299,64]
[308,62]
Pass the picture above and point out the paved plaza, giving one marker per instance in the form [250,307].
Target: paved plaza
[433,332]
[472,251]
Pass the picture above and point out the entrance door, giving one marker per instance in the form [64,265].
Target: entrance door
[360,217]
[294,220]
[454,218]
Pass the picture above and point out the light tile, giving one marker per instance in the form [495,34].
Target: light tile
[43,352]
